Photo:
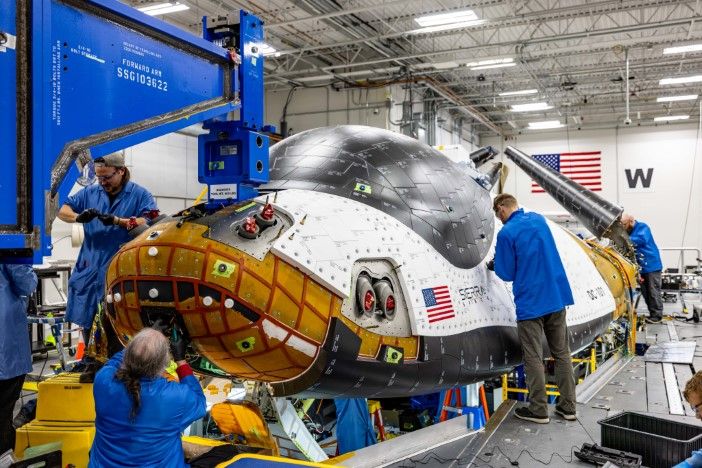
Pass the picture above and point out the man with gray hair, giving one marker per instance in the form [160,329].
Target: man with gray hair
[139,415]
[107,210]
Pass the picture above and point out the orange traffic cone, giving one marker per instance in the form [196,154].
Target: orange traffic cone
[80,351]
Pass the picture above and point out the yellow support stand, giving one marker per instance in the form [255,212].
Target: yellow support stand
[30,386]
[66,414]
[591,362]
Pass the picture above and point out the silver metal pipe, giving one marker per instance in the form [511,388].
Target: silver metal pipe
[627,120]
[482,155]
[598,215]
[493,174]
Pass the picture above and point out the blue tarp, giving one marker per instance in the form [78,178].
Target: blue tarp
[354,428]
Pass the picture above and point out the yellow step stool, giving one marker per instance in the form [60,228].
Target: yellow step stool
[64,398]
[76,439]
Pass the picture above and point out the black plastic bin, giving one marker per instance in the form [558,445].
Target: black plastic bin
[660,442]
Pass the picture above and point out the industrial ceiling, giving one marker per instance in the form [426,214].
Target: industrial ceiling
[566,57]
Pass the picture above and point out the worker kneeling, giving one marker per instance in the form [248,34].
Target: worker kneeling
[139,415]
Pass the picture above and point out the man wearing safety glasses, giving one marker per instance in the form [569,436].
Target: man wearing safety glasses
[108,211]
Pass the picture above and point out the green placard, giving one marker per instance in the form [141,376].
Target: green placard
[246,345]
[363,188]
[223,269]
[393,355]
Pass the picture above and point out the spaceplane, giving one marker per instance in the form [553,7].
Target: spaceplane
[360,270]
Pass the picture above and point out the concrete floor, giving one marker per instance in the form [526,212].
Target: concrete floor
[638,386]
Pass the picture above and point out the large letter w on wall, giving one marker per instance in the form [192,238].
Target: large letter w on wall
[633,180]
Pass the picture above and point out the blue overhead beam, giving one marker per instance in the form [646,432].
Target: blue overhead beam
[88,77]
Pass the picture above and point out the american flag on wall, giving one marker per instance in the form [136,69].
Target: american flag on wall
[584,168]
[437,300]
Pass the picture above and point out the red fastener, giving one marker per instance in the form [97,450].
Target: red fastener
[250,225]
[390,303]
[368,300]
[267,212]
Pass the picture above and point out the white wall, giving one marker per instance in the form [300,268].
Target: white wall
[669,150]
[321,107]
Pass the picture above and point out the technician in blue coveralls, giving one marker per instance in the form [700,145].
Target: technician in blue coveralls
[139,415]
[649,259]
[526,254]
[108,211]
[17,282]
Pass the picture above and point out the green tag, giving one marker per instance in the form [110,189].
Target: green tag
[223,269]
[245,207]
[246,345]
[216,165]
[363,188]
[393,355]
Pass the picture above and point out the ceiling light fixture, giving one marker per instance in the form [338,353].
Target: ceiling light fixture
[267,50]
[686,97]
[683,49]
[668,118]
[497,65]
[446,21]
[155,6]
[491,63]
[681,80]
[520,93]
[545,124]
[163,8]
[498,61]
[533,106]
[446,18]
[446,27]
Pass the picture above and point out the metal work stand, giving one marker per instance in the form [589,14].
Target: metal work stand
[40,314]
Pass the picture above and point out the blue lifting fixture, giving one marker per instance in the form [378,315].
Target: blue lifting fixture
[84,78]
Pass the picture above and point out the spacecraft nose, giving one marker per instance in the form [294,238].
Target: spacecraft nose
[252,318]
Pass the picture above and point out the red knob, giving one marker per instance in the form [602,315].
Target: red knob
[250,225]
[390,303]
[267,212]
[368,300]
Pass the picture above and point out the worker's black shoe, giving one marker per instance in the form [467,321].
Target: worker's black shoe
[654,319]
[26,414]
[526,414]
[566,415]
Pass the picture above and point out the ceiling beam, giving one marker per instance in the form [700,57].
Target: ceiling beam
[542,40]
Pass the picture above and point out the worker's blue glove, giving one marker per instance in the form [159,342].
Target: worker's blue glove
[87,215]
[108,219]
[177,346]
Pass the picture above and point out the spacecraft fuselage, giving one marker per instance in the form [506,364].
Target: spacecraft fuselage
[360,273]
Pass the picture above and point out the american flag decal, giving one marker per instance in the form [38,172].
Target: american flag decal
[437,300]
[584,168]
